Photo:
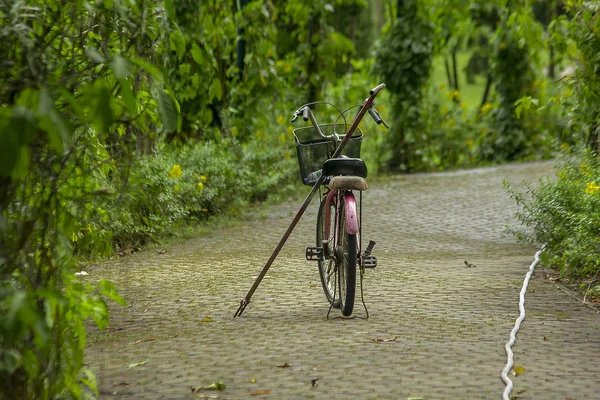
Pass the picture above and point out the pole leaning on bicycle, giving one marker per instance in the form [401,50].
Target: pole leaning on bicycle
[366,106]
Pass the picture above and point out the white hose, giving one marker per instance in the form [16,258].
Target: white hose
[513,333]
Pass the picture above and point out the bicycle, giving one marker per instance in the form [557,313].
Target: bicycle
[342,177]
[338,249]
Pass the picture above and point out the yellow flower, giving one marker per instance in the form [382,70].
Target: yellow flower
[591,187]
[73,237]
[485,108]
[585,170]
[175,171]
[200,187]
[280,120]
[456,95]
[290,129]
[203,178]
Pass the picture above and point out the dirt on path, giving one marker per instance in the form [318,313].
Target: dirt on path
[437,328]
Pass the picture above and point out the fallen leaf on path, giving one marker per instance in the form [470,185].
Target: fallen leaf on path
[518,370]
[315,382]
[286,365]
[161,251]
[144,340]
[137,364]
[260,393]
[212,386]
[385,340]
[207,319]
[216,386]
[546,339]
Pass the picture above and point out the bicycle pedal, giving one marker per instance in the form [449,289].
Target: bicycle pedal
[314,253]
[369,262]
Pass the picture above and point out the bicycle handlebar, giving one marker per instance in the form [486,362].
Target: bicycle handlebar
[377,89]
[368,103]
[305,114]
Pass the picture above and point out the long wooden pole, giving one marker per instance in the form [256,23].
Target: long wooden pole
[366,105]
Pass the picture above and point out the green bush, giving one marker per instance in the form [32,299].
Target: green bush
[563,214]
[178,188]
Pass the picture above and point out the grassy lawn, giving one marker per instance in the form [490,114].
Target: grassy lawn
[470,94]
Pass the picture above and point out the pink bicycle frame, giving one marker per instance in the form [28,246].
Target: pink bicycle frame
[349,210]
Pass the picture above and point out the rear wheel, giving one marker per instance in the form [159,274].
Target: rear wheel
[346,253]
[327,267]
[346,256]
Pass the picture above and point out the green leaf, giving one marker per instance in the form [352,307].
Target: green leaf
[10,360]
[108,289]
[128,97]
[18,127]
[103,113]
[137,364]
[177,42]
[168,111]
[60,131]
[149,68]
[120,67]
[215,90]
[94,55]
[89,380]
[196,54]
[170,7]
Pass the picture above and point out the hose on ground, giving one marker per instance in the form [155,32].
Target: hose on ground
[513,333]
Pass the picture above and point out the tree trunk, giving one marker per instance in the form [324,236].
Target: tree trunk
[486,92]
[551,65]
[379,16]
[455,69]
[313,60]
[448,76]
[241,43]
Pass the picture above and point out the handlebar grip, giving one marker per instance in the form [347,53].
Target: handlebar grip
[375,115]
[305,113]
[377,89]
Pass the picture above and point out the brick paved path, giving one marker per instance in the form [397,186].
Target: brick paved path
[437,328]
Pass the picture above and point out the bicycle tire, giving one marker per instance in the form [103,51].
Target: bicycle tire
[347,268]
[327,267]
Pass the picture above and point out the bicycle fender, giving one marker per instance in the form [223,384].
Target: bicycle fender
[351,216]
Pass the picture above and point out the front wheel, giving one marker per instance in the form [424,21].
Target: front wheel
[346,252]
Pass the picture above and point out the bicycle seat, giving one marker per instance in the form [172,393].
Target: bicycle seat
[345,166]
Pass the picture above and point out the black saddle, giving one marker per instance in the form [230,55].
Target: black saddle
[345,166]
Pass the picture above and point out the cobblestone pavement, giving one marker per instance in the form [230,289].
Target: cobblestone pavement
[437,328]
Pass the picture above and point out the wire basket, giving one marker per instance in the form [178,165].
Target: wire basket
[313,149]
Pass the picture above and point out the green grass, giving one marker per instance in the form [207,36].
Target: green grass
[470,94]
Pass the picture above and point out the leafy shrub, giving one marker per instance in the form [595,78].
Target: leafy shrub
[563,214]
[404,63]
[181,187]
